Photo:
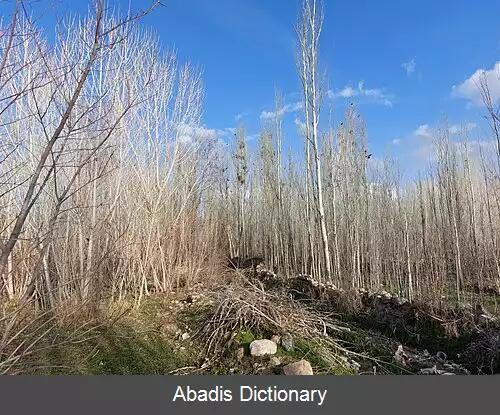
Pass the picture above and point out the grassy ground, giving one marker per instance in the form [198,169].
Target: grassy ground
[149,341]
[160,337]
[143,341]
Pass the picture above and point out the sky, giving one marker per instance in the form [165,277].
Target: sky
[404,64]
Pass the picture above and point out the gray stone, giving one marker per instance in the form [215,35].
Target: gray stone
[400,356]
[263,347]
[287,342]
[300,368]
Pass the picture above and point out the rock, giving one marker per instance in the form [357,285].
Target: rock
[400,356]
[300,368]
[185,336]
[240,354]
[274,361]
[263,347]
[287,342]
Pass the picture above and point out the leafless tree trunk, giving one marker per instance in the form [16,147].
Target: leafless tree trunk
[309,31]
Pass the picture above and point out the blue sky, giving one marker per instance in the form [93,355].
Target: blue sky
[246,48]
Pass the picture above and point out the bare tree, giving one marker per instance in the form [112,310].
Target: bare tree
[493,109]
[309,30]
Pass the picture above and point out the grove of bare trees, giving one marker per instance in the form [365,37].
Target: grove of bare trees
[109,188]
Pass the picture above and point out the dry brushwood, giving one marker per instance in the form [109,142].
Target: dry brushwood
[244,305]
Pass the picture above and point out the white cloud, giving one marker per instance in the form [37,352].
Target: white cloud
[347,92]
[427,131]
[396,141]
[423,131]
[377,95]
[409,66]
[188,134]
[266,115]
[457,128]
[469,89]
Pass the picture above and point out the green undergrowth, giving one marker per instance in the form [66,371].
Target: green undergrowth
[374,349]
[379,338]
[244,338]
[133,345]
[119,350]
[303,349]
[139,344]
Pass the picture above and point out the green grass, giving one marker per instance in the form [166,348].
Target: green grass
[194,316]
[378,347]
[135,345]
[244,338]
[119,350]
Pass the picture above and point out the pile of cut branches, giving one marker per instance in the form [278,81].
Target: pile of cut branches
[245,305]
